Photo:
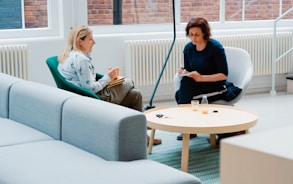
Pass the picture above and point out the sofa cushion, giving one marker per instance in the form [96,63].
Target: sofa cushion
[147,171]
[12,133]
[6,81]
[57,162]
[110,131]
[38,106]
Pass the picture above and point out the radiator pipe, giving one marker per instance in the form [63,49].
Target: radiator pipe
[150,106]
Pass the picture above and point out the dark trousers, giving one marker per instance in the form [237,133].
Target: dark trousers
[190,89]
[124,94]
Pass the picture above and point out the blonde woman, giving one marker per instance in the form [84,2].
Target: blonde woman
[75,64]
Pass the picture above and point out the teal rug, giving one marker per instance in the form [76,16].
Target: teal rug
[203,159]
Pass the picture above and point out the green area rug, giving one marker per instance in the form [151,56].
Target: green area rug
[203,159]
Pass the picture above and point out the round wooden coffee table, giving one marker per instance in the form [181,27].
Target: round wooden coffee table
[182,119]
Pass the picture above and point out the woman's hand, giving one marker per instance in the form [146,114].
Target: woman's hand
[182,71]
[196,76]
[113,73]
[208,78]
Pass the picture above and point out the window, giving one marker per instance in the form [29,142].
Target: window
[255,9]
[20,14]
[10,14]
[35,13]
[35,18]
[102,12]
[38,18]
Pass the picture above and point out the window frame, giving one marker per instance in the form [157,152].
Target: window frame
[217,27]
[54,9]
[221,26]
[75,13]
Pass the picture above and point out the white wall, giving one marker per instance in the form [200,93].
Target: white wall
[109,48]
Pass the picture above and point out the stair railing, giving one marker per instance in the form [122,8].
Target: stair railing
[274,51]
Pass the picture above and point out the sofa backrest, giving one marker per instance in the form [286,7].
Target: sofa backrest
[111,131]
[38,106]
[6,81]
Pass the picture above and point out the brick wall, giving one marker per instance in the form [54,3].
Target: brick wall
[141,12]
[100,12]
[35,13]
[205,8]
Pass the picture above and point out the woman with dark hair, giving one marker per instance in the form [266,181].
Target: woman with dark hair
[207,57]
[205,66]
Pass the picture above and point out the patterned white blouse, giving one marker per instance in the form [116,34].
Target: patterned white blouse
[79,70]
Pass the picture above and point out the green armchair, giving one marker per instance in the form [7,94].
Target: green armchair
[61,83]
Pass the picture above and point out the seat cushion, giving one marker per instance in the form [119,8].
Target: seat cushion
[57,162]
[12,133]
[147,171]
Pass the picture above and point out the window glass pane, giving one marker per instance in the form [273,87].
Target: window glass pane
[35,13]
[208,9]
[261,10]
[256,9]
[147,11]
[10,14]
[101,12]
[286,6]
[233,10]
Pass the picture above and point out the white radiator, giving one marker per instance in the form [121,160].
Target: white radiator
[259,46]
[14,61]
[144,59]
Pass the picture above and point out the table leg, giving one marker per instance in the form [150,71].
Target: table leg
[151,141]
[185,152]
[213,140]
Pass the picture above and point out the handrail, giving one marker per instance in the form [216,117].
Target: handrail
[274,51]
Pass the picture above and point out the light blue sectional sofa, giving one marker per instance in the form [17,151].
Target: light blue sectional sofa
[48,135]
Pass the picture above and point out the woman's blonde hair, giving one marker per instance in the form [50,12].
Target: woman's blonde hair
[76,34]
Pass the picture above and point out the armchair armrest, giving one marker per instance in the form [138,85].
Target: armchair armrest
[82,91]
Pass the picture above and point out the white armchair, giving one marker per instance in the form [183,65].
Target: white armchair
[240,72]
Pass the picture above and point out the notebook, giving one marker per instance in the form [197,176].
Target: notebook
[117,81]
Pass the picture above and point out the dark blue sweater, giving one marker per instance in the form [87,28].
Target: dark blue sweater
[209,61]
